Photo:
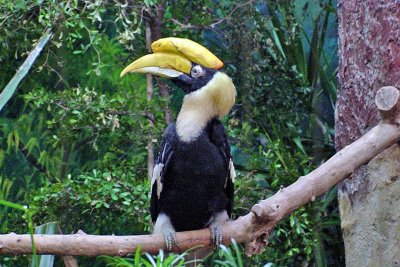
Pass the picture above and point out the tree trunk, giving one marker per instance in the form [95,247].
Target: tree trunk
[150,147]
[369,201]
[156,21]
[153,33]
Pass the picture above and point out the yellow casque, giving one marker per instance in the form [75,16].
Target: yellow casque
[173,56]
[190,49]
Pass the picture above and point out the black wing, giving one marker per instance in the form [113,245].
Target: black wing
[160,165]
[219,138]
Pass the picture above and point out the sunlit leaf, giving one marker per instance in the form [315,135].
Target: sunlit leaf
[11,87]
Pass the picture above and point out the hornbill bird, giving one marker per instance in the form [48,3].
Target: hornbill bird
[193,175]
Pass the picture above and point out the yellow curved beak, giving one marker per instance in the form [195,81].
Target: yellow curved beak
[173,57]
[159,64]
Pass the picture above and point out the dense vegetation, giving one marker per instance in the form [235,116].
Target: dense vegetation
[74,135]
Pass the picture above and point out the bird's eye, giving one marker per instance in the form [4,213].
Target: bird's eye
[197,71]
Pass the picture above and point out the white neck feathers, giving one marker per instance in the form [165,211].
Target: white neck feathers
[215,99]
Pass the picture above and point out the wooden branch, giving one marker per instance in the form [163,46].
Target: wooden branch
[252,229]
[31,159]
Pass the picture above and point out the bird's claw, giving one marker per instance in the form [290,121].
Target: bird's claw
[216,235]
[169,238]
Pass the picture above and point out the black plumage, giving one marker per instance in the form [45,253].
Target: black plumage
[195,178]
[193,175]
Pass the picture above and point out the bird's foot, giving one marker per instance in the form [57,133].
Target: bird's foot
[216,234]
[164,226]
[169,238]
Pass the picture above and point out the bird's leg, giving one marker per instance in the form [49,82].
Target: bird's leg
[169,237]
[215,227]
[216,234]
[164,226]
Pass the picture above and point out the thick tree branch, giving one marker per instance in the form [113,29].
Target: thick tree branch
[31,159]
[252,229]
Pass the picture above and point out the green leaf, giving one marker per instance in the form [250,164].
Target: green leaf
[11,87]
[319,250]
[276,40]
[137,255]
[31,144]
[2,156]
[44,260]
[330,196]
[16,140]
[12,205]
[9,142]
[114,196]
[299,144]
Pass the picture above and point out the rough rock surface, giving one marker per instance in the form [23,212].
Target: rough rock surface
[369,58]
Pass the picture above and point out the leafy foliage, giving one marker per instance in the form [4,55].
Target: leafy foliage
[96,195]
[73,139]
[160,260]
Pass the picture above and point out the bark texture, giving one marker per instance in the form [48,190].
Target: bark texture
[155,20]
[369,57]
[150,147]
